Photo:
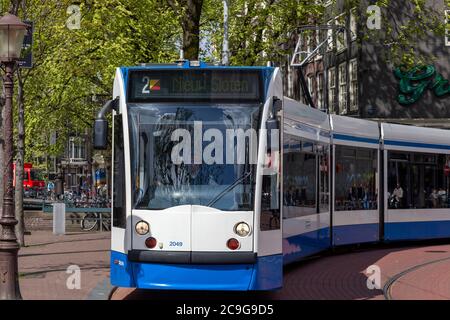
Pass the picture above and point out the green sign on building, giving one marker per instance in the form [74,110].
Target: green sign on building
[415,81]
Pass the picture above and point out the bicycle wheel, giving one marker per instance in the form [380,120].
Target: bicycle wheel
[89,222]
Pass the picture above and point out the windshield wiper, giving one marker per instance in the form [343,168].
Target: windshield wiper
[228,189]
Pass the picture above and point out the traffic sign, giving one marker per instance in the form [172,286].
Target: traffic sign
[26,56]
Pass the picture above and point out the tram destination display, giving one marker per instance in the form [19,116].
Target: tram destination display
[194,85]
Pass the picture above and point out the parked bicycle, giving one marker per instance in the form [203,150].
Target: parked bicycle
[94,220]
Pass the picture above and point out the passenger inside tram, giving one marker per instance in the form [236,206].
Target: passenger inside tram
[423,178]
[356,169]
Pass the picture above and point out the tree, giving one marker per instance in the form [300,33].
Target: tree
[74,69]
[20,228]
[189,13]
[266,30]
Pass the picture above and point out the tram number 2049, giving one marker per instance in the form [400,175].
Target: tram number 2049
[175,244]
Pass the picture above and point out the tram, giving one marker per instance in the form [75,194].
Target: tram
[219,180]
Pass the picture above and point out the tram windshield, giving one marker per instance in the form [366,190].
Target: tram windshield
[193,154]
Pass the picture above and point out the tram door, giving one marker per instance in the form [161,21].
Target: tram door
[306,197]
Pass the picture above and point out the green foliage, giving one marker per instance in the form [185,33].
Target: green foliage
[258,30]
[74,69]
[265,30]
[405,25]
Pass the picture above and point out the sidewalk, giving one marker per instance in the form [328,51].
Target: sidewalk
[44,261]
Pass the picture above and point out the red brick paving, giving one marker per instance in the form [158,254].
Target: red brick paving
[343,277]
[431,282]
[44,262]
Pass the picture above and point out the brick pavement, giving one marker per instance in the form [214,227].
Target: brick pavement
[343,277]
[44,261]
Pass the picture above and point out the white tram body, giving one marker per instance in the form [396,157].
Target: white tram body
[329,182]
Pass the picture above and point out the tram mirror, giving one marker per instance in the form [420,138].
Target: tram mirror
[100,134]
[277,105]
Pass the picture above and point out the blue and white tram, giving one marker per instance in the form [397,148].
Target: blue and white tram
[205,199]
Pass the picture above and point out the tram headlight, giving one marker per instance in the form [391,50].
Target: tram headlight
[242,229]
[142,228]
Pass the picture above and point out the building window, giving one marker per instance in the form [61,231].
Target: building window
[353,25]
[343,88]
[353,73]
[447,27]
[289,69]
[77,148]
[320,91]
[311,86]
[341,37]
[319,38]
[331,89]
[309,40]
[330,45]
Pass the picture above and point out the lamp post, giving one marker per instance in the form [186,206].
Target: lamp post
[12,33]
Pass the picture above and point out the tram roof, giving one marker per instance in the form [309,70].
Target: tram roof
[300,112]
[186,64]
[349,130]
[300,119]
[412,138]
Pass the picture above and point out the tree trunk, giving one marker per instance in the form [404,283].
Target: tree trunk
[14,6]
[20,228]
[189,12]
[191,29]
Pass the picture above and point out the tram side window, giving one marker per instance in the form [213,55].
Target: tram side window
[418,180]
[119,216]
[355,179]
[300,178]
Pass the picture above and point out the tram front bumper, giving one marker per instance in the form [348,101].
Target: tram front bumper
[264,274]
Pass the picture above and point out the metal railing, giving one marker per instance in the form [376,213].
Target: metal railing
[92,218]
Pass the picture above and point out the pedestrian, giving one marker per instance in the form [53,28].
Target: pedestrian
[50,189]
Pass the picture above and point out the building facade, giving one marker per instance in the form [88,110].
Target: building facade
[353,77]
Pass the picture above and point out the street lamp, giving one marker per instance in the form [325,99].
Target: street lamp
[12,33]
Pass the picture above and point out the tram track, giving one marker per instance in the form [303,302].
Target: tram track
[392,280]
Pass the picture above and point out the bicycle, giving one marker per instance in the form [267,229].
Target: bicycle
[91,221]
